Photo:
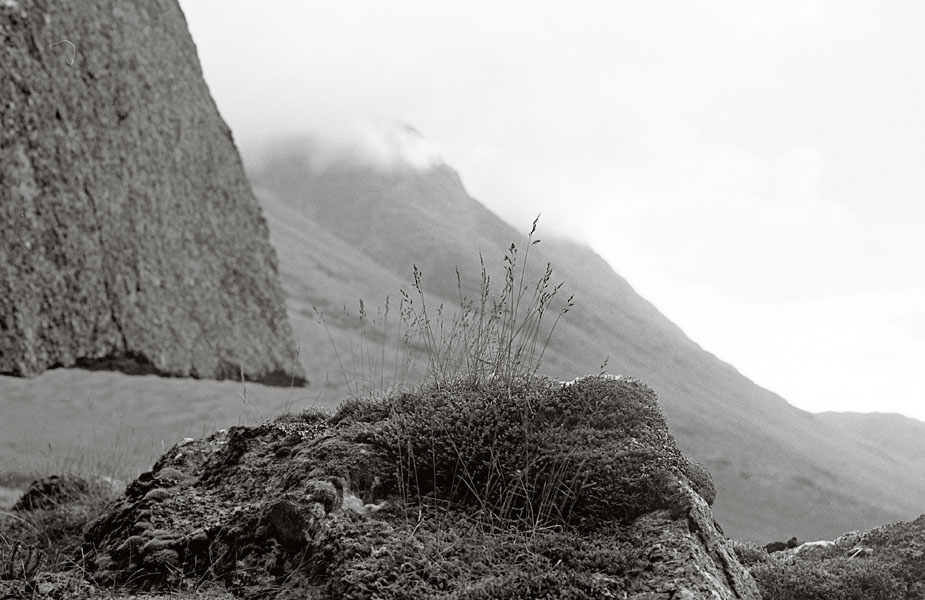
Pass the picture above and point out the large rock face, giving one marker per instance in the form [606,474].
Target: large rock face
[518,491]
[127,228]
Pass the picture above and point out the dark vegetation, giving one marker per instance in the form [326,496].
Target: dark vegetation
[886,563]
[530,451]
[41,535]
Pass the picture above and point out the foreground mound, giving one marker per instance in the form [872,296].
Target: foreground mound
[528,490]
[885,563]
[129,236]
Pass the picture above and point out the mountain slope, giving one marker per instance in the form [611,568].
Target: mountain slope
[887,434]
[780,471]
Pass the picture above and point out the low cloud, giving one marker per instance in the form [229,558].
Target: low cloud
[382,146]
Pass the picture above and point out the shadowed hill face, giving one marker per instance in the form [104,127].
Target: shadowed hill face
[779,471]
[129,237]
[399,216]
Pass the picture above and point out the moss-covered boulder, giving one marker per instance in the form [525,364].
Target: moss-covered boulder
[593,450]
[525,489]
[129,236]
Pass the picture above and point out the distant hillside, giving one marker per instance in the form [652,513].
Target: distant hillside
[344,231]
[890,434]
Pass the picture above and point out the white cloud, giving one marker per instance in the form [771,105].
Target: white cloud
[799,179]
[381,145]
[384,146]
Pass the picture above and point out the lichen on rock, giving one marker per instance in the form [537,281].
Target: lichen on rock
[129,236]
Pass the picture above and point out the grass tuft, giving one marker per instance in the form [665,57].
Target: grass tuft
[499,335]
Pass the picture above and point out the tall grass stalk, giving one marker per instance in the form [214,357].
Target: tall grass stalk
[494,337]
[500,335]
[498,338]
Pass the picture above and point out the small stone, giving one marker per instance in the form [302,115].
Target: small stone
[316,511]
[166,534]
[198,539]
[168,476]
[158,544]
[162,558]
[130,545]
[103,561]
[157,495]
[284,522]
[141,526]
[325,493]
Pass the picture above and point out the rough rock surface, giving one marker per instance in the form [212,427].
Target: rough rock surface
[129,236]
[529,490]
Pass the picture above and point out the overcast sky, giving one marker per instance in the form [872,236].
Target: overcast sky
[755,169]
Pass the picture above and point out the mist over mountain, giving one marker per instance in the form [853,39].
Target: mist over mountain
[780,471]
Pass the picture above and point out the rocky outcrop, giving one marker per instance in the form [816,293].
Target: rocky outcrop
[129,237]
[521,490]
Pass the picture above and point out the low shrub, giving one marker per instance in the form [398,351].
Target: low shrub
[701,479]
[831,579]
[749,553]
[457,558]
[530,450]
[886,562]
[48,521]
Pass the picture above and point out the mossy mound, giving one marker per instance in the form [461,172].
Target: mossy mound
[594,450]
[886,563]
[525,489]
